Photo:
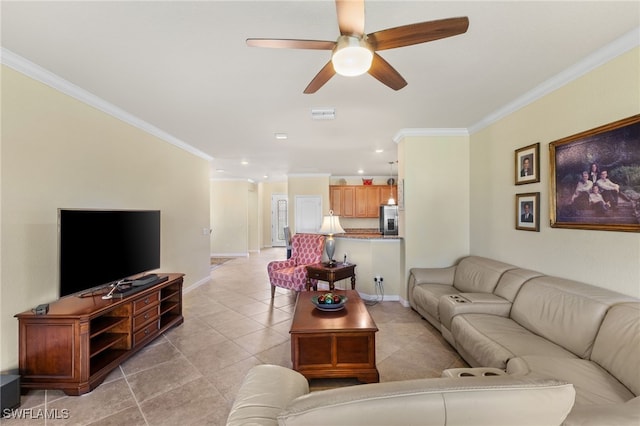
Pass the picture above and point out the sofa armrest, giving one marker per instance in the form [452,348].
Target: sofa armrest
[471,401]
[471,303]
[264,393]
[432,275]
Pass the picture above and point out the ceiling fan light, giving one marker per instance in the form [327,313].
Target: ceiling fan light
[352,56]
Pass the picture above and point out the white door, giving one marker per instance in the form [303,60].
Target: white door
[308,213]
[279,219]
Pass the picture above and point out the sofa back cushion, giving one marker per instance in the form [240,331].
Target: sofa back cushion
[476,274]
[511,281]
[568,313]
[617,345]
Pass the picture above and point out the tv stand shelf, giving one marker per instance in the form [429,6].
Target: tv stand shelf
[82,339]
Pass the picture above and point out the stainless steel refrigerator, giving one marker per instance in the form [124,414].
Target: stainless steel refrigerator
[388,220]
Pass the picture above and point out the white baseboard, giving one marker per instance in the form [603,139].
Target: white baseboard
[230,254]
[195,285]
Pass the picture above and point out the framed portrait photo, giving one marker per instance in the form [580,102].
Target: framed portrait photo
[528,164]
[528,211]
[595,178]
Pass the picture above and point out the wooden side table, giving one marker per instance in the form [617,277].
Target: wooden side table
[331,274]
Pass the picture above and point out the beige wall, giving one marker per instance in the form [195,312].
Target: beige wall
[231,204]
[435,221]
[59,152]
[603,258]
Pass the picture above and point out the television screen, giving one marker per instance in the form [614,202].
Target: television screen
[98,247]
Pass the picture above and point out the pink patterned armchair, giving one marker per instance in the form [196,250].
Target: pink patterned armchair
[291,273]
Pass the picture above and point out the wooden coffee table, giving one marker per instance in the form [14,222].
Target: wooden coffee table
[334,344]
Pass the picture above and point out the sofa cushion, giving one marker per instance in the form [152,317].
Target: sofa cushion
[593,384]
[491,340]
[568,313]
[627,414]
[617,344]
[427,297]
[476,274]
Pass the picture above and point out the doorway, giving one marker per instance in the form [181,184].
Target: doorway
[279,219]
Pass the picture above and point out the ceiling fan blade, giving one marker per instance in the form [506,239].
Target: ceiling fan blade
[422,32]
[290,43]
[385,73]
[321,78]
[350,16]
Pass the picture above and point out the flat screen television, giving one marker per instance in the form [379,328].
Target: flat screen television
[99,247]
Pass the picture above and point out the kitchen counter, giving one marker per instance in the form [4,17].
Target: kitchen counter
[366,234]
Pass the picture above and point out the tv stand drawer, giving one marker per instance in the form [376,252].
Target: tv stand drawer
[146,301]
[145,333]
[143,318]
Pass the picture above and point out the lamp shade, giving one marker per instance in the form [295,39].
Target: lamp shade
[352,56]
[331,225]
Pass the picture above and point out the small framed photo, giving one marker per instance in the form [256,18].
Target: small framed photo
[528,211]
[528,164]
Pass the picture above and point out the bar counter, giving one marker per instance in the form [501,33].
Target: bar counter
[366,234]
[374,255]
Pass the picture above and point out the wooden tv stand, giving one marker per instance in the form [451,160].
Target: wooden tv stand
[82,339]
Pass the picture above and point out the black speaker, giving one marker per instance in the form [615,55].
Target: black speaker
[9,392]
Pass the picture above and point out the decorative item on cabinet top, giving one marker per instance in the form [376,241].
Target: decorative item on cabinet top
[367,181]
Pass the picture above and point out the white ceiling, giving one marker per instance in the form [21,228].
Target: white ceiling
[184,68]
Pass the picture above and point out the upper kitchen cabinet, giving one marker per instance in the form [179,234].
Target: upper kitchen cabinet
[359,200]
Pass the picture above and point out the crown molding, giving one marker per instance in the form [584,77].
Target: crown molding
[308,175]
[36,72]
[600,57]
[417,132]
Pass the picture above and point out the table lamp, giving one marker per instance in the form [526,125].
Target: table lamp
[330,226]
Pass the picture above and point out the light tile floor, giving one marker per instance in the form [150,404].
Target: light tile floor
[190,375]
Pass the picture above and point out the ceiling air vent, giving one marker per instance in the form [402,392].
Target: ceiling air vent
[323,113]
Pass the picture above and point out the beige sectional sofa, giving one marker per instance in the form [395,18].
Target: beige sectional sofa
[498,315]
[566,353]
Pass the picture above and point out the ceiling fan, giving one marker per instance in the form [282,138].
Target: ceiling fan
[354,52]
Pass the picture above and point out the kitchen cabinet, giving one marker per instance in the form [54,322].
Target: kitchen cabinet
[362,201]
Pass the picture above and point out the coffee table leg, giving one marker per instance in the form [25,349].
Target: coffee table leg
[353,282]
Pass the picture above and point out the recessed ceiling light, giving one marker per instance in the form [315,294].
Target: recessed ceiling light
[281,136]
[244,162]
[360,171]
[378,151]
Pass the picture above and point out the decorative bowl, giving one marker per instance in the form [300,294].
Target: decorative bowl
[367,181]
[329,307]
